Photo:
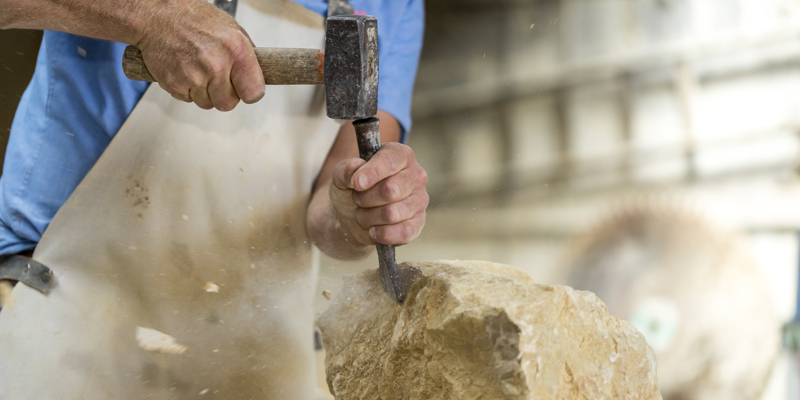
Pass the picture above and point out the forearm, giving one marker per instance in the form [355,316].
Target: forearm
[122,21]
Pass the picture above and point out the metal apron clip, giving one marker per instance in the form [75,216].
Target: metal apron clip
[28,271]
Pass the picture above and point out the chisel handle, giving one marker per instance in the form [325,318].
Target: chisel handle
[280,66]
[369,142]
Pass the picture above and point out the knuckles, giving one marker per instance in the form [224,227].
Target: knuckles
[174,86]
[397,234]
[217,68]
[196,79]
[235,44]
[200,57]
[393,213]
[403,151]
[391,191]
[381,236]
[402,219]
[411,230]
[212,62]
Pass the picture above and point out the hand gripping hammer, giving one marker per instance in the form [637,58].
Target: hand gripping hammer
[349,69]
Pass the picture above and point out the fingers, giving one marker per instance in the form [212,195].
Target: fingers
[391,207]
[246,75]
[210,61]
[248,81]
[199,96]
[179,96]
[226,80]
[247,36]
[221,93]
[391,159]
[398,234]
[237,77]
[393,213]
[394,188]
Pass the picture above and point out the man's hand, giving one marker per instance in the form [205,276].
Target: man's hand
[383,200]
[357,203]
[202,56]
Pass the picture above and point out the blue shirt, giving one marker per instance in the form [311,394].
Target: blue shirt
[79,98]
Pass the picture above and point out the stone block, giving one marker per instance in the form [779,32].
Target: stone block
[478,330]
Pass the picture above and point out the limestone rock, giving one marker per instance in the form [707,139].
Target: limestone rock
[476,330]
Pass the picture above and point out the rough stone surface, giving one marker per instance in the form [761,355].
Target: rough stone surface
[477,330]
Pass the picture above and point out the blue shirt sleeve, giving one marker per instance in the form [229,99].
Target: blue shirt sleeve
[76,102]
[399,57]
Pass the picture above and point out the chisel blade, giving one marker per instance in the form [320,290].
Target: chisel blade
[390,276]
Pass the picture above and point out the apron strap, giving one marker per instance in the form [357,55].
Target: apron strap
[26,270]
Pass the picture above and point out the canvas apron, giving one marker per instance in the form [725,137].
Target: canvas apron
[180,198]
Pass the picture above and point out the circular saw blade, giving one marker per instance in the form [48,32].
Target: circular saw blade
[692,289]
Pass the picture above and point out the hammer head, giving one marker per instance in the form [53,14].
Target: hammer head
[351,66]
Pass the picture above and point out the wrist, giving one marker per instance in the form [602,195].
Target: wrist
[149,22]
[137,28]
[131,20]
[159,20]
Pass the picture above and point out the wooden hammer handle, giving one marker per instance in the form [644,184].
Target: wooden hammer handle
[280,66]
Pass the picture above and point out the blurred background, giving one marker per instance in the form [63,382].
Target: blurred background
[647,150]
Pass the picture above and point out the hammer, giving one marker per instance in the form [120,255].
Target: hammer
[349,70]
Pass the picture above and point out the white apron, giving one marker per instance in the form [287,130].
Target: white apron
[183,197]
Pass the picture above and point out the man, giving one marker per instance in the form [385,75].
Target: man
[198,54]
[183,195]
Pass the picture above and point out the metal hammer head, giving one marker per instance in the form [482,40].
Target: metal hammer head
[351,66]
